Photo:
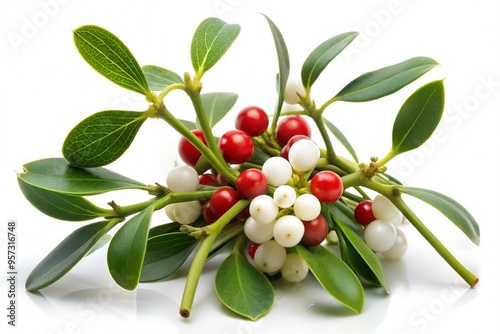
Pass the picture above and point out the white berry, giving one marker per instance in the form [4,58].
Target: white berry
[277,171]
[384,209]
[257,232]
[284,196]
[183,179]
[184,212]
[380,236]
[263,209]
[307,207]
[269,257]
[304,155]
[294,269]
[399,248]
[288,231]
[293,86]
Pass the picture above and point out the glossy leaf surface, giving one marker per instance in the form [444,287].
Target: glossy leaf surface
[61,206]
[243,288]
[102,138]
[385,81]
[418,117]
[127,249]
[66,255]
[322,55]
[283,62]
[216,106]
[158,77]
[57,175]
[109,56]
[211,40]
[165,253]
[334,275]
[453,210]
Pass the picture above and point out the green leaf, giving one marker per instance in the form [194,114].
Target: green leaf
[341,138]
[243,288]
[343,213]
[453,210]
[158,77]
[283,63]
[164,229]
[385,81]
[216,106]
[110,57]
[418,117]
[102,138]
[127,249]
[322,55]
[211,40]
[165,253]
[61,206]
[57,175]
[334,275]
[188,124]
[67,254]
[362,259]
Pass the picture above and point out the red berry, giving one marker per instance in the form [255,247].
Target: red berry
[208,179]
[223,199]
[251,183]
[363,213]
[315,231]
[327,186]
[252,120]
[284,152]
[295,139]
[208,214]
[252,248]
[222,181]
[187,152]
[291,126]
[236,146]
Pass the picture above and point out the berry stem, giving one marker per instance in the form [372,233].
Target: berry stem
[393,193]
[193,277]
[210,155]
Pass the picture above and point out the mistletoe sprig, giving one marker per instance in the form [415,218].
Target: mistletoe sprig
[264,190]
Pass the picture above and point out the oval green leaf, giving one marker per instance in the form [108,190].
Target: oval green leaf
[110,57]
[61,206]
[243,288]
[158,77]
[102,138]
[165,253]
[362,259]
[334,275]
[453,210]
[67,254]
[341,138]
[127,249]
[418,117]
[216,106]
[385,81]
[283,63]
[57,175]
[322,55]
[211,40]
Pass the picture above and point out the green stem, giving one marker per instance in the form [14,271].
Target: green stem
[200,258]
[160,202]
[193,89]
[470,278]
[393,194]
[210,155]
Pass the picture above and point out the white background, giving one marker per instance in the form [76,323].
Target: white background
[46,88]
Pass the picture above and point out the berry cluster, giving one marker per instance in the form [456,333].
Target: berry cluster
[286,192]
[381,220]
